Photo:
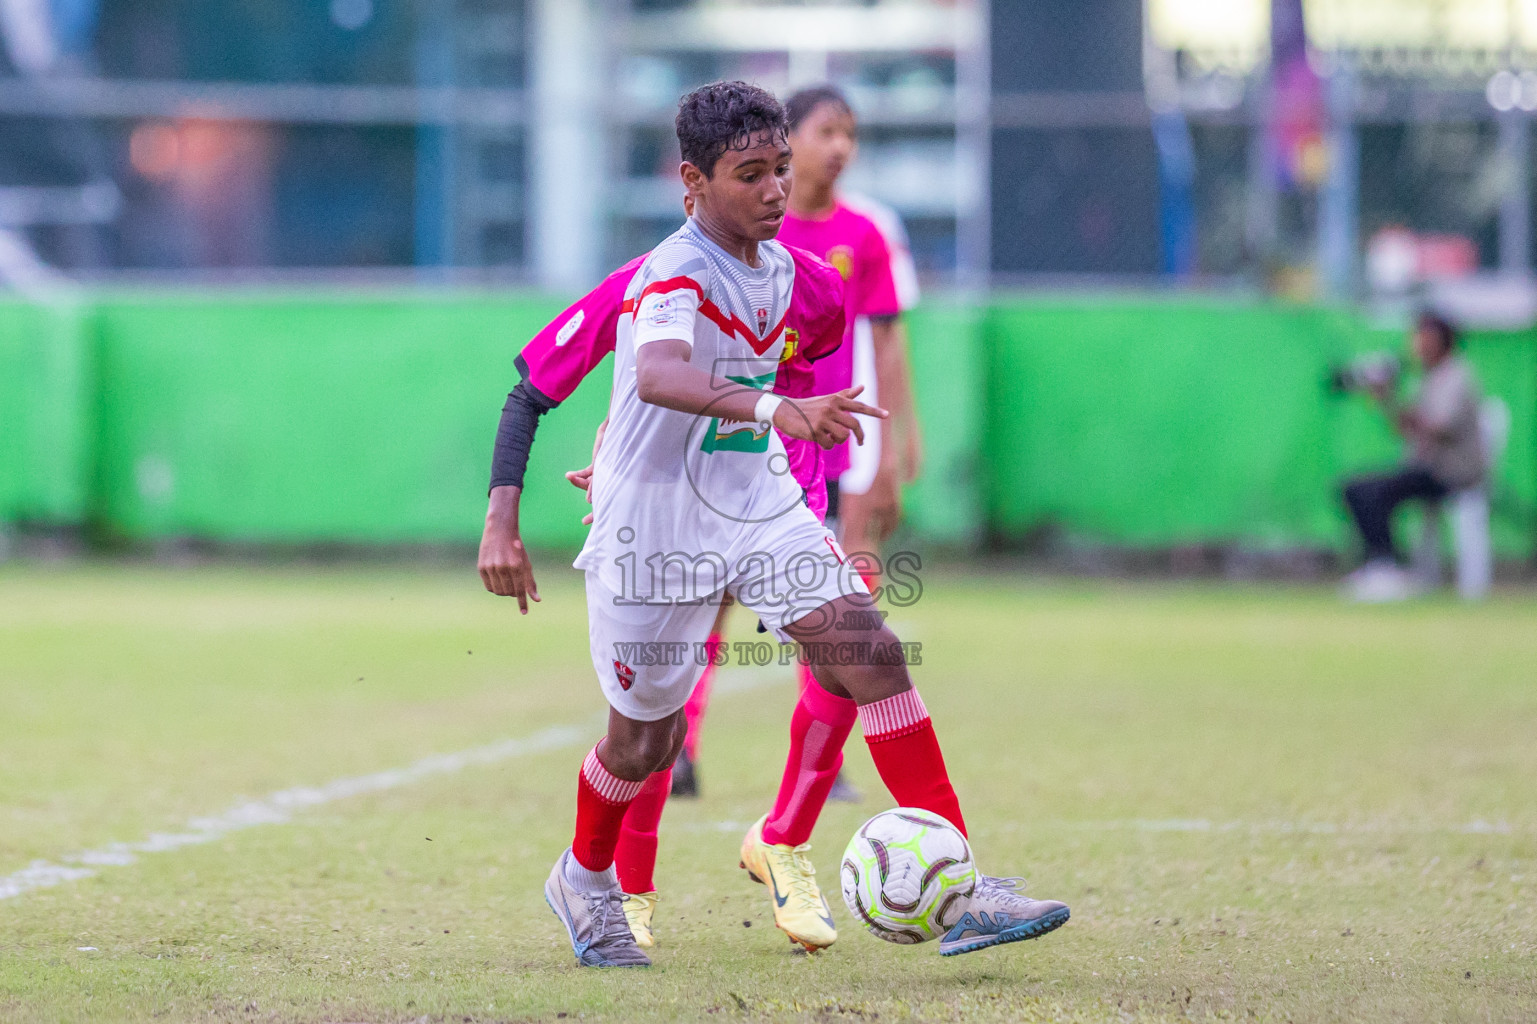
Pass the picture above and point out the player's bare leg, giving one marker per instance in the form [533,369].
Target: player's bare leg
[906,752]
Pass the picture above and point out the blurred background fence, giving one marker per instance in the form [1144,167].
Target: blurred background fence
[1159,422]
[270,262]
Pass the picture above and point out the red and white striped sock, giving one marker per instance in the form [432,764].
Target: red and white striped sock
[601,800]
[819,727]
[907,755]
[635,856]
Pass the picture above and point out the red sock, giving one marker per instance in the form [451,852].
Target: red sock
[818,728]
[601,800]
[635,857]
[693,711]
[906,753]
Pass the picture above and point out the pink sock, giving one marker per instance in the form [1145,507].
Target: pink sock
[635,857]
[693,711]
[818,728]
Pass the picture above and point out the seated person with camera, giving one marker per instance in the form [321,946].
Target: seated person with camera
[1445,452]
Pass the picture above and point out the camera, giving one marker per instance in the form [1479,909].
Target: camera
[1372,371]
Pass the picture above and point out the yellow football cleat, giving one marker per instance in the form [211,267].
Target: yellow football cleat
[800,909]
[638,908]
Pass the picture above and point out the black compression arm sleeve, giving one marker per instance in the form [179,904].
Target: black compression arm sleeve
[515,434]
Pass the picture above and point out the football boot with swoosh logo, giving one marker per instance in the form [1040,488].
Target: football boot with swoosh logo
[800,909]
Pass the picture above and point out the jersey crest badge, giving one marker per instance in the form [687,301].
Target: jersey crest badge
[625,674]
[762,321]
[792,345]
[842,259]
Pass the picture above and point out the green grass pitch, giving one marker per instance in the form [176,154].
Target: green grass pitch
[1261,804]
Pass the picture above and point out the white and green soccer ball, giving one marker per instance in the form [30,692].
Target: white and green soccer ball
[907,875]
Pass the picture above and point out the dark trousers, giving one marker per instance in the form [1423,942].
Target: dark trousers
[1372,499]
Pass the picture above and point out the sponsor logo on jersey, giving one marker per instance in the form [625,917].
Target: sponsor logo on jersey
[723,435]
[569,330]
[842,259]
[661,311]
[624,673]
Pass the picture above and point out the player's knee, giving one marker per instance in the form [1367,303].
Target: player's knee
[638,755]
[655,751]
[679,737]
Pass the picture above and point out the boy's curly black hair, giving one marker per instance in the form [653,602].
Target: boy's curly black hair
[723,116]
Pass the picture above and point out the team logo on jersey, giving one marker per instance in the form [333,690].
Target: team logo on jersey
[792,344]
[572,326]
[762,320]
[842,259]
[624,673]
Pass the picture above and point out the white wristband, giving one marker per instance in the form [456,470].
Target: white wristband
[763,412]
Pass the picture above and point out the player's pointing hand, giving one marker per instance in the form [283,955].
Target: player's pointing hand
[826,419]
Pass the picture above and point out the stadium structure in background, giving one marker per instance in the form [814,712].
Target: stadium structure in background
[1315,147]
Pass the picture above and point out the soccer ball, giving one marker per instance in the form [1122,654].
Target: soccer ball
[907,875]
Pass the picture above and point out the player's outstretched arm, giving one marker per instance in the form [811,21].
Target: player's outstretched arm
[664,376]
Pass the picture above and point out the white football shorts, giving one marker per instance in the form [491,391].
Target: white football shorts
[648,645]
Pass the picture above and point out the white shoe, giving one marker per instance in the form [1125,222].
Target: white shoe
[1380,581]
[595,921]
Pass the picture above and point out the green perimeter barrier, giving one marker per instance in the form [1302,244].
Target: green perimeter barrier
[1146,423]
[46,426]
[324,419]
[305,419]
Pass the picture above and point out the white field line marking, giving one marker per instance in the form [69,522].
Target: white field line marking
[280,807]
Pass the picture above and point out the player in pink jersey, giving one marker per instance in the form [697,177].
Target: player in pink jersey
[866,486]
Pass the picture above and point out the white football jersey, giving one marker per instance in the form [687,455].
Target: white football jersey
[677,497]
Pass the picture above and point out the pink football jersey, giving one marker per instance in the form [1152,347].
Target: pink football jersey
[854,246]
[572,345]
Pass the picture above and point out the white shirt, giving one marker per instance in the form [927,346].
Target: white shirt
[675,495]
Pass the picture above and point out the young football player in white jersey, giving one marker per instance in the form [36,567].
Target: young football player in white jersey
[692,499]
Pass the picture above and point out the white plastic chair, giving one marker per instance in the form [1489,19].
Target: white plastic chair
[1469,510]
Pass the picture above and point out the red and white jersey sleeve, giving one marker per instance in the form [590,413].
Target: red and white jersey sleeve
[559,357]
[667,307]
